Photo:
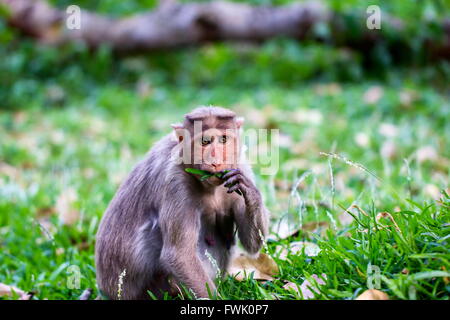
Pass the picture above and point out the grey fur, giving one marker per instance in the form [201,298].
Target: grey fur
[156,225]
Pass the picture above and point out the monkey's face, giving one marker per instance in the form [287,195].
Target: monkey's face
[216,150]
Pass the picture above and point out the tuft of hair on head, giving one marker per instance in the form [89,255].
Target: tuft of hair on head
[203,112]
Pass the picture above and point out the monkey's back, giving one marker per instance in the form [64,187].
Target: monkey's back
[129,239]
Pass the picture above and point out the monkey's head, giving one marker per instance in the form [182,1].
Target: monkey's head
[210,139]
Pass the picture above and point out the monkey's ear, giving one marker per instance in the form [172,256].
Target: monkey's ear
[239,122]
[179,130]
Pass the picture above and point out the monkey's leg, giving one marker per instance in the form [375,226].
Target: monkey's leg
[180,229]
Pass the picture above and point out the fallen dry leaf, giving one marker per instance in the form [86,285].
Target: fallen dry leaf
[408,97]
[345,218]
[329,89]
[295,248]
[47,228]
[285,140]
[373,95]
[144,88]
[308,116]
[283,230]
[387,215]
[315,225]
[388,149]
[265,117]
[426,153]
[307,288]
[44,212]
[20,117]
[446,279]
[388,130]
[9,171]
[373,294]
[242,265]
[64,207]
[362,139]
[6,290]
[432,191]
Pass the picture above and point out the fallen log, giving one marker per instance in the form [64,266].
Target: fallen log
[173,25]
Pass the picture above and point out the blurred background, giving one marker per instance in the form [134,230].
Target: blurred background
[77,113]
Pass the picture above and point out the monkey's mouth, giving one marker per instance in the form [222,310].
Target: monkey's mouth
[213,169]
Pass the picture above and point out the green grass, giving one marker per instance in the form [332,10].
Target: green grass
[74,121]
[90,144]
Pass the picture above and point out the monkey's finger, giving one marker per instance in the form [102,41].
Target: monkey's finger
[233,180]
[236,188]
[232,172]
[229,185]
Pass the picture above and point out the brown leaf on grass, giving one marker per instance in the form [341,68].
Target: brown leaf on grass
[426,153]
[432,191]
[373,95]
[446,279]
[20,117]
[308,288]
[408,97]
[144,88]
[47,228]
[373,294]
[43,219]
[64,207]
[44,212]
[345,218]
[388,130]
[387,215]
[12,172]
[362,139]
[283,230]
[306,116]
[242,265]
[285,141]
[6,290]
[388,150]
[296,247]
[329,89]
[265,117]
[297,163]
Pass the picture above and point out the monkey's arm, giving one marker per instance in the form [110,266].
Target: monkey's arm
[251,216]
[180,229]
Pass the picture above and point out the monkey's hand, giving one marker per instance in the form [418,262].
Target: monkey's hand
[252,217]
[235,180]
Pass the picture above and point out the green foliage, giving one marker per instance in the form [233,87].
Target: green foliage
[75,119]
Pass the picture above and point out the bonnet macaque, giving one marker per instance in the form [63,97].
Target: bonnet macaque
[165,223]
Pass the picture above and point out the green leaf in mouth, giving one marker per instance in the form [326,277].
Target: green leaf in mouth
[206,174]
[197,171]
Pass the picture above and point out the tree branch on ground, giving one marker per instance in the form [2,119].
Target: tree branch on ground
[173,25]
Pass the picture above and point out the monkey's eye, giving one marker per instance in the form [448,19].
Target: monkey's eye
[223,139]
[206,141]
